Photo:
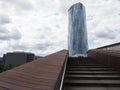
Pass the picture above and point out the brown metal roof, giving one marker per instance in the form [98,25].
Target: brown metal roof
[109,45]
[117,52]
[37,75]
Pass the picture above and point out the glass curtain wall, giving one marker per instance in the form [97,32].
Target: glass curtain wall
[77,33]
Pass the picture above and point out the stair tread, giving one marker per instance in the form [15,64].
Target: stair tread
[93,72]
[93,81]
[94,77]
[90,69]
[92,88]
[105,76]
[88,65]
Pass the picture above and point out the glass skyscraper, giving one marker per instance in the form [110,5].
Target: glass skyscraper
[77,35]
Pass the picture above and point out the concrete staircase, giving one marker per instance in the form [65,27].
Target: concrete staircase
[85,74]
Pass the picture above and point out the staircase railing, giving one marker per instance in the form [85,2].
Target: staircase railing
[59,85]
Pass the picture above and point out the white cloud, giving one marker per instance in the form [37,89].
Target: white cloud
[104,28]
[42,25]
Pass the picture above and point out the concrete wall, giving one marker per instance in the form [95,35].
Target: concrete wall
[15,59]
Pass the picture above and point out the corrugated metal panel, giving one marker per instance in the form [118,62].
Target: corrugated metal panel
[37,75]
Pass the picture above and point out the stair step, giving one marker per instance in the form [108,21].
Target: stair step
[90,69]
[85,74]
[105,76]
[86,65]
[113,83]
[92,72]
[91,88]
[93,77]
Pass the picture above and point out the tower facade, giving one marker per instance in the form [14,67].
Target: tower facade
[77,33]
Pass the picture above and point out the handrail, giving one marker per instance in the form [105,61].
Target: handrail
[64,70]
[63,74]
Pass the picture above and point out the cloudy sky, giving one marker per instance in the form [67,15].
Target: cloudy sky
[41,26]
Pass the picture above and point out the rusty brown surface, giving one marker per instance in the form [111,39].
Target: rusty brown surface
[108,57]
[37,75]
[108,51]
[111,45]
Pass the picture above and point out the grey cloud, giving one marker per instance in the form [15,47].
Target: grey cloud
[22,4]
[3,30]
[89,18]
[25,6]
[56,14]
[107,34]
[43,46]
[66,4]
[19,47]
[47,28]
[8,35]
[4,19]
[57,26]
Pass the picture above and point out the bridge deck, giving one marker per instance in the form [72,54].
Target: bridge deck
[37,75]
